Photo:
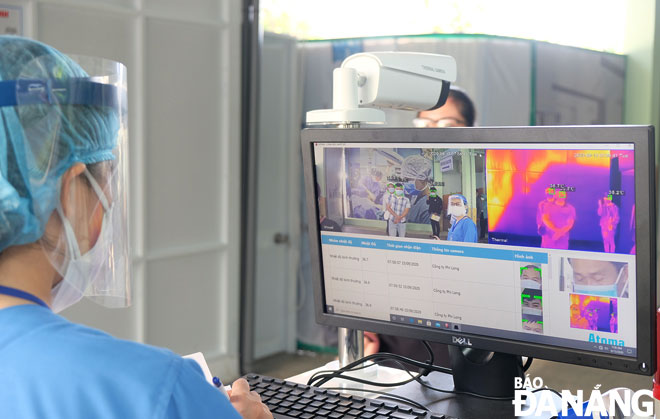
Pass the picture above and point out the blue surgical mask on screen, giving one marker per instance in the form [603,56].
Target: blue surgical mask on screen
[409,188]
[610,290]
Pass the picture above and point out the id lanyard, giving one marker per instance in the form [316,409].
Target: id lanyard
[13,292]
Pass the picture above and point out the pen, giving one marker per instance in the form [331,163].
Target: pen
[218,384]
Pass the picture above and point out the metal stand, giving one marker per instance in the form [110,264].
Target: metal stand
[350,346]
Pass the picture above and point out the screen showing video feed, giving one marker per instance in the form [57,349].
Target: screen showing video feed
[530,242]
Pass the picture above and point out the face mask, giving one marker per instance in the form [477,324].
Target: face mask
[409,188]
[601,290]
[399,192]
[433,194]
[457,211]
[532,311]
[390,190]
[82,270]
[530,284]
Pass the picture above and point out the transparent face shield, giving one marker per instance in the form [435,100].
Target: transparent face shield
[75,135]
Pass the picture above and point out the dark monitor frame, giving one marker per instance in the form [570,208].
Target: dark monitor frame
[643,139]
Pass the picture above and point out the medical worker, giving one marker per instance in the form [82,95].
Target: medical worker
[417,170]
[609,220]
[463,229]
[63,236]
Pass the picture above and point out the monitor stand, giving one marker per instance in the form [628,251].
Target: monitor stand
[351,346]
[484,372]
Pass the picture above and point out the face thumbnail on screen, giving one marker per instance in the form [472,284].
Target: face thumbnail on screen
[531,242]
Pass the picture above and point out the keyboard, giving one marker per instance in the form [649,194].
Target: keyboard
[286,399]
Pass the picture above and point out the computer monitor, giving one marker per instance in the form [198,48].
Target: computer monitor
[537,241]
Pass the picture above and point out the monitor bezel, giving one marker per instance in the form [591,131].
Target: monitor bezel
[641,136]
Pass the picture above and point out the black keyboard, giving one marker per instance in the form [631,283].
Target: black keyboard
[286,399]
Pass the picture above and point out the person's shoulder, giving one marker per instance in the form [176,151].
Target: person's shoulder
[88,345]
[139,378]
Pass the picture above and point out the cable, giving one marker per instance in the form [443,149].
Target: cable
[383,394]
[431,359]
[547,389]
[322,377]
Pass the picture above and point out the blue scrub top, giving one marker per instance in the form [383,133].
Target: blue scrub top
[419,210]
[52,368]
[464,230]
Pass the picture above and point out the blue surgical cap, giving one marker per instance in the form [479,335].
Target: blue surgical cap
[461,197]
[39,141]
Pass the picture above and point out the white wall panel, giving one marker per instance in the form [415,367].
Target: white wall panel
[96,3]
[189,9]
[88,32]
[182,112]
[183,303]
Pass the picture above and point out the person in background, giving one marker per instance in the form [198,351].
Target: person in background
[389,192]
[633,250]
[557,218]
[63,237]
[458,111]
[463,229]
[370,186]
[435,208]
[482,213]
[417,170]
[577,320]
[609,220]
[398,206]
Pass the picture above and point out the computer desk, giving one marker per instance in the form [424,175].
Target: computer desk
[555,375]
[462,407]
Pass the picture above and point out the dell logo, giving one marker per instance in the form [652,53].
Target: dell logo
[461,341]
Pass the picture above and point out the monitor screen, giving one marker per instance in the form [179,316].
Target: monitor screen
[528,244]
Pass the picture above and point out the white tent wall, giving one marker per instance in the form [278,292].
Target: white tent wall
[576,86]
[184,86]
[511,81]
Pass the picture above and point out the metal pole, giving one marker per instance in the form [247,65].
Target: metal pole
[351,341]
[351,346]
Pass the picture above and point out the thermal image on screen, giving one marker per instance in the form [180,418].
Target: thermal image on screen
[562,199]
[590,312]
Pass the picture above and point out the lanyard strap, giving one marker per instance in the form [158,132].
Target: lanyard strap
[13,292]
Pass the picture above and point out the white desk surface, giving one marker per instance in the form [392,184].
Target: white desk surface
[373,373]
